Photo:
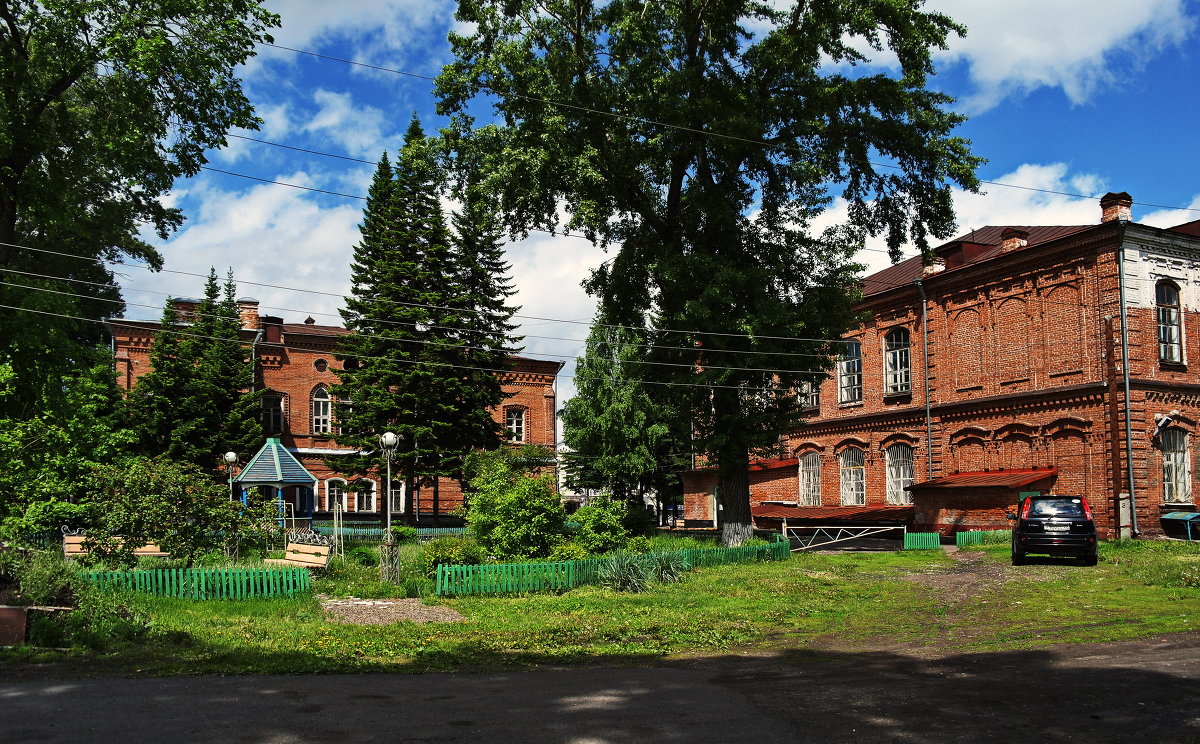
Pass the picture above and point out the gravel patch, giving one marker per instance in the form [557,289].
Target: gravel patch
[355,611]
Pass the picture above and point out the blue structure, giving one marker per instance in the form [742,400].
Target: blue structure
[273,466]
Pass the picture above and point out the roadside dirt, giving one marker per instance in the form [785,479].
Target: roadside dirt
[353,611]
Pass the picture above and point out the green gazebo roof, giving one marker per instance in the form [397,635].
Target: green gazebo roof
[273,465]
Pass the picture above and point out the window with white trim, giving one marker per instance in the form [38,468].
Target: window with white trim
[321,410]
[335,494]
[810,395]
[364,501]
[850,374]
[1177,471]
[1170,322]
[810,479]
[897,365]
[853,472]
[514,424]
[899,458]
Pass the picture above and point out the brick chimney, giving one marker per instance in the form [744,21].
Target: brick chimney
[1116,207]
[248,310]
[185,309]
[1013,238]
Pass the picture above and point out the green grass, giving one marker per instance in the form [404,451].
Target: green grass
[851,601]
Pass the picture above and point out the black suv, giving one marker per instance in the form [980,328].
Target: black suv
[1054,525]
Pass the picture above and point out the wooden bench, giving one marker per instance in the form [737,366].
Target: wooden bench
[304,555]
[73,547]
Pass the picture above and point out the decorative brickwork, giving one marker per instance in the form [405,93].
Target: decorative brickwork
[1018,341]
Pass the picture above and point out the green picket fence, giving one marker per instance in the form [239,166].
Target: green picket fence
[428,533]
[981,537]
[922,541]
[508,578]
[207,583]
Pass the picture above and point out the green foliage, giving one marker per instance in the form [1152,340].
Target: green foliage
[625,572]
[105,619]
[196,402]
[729,147]
[601,525]
[512,513]
[666,568]
[431,324]
[110,103]
[571,550]
[404,533]
[1156,563]
[363,556]
[46,578]
[452,551]
[178,507]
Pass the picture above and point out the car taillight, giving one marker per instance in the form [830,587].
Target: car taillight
[1087,510]
[1025,508]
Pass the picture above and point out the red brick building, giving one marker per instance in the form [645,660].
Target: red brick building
[298,370]
[1062,358]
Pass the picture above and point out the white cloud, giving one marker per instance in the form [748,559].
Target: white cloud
[1172,217]
[1017,46]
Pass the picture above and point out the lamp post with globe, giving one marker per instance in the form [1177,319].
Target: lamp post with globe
[231,459]
[387,442]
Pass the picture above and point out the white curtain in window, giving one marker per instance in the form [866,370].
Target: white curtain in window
[1177,476]
[810,480]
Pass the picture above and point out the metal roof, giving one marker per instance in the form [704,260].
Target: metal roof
[274,465]
[827,514]
[1002,478]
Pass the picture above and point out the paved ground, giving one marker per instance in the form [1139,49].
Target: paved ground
[1147,690]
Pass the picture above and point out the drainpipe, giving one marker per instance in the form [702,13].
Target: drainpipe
[928,404]
[1133,520]
[258,334]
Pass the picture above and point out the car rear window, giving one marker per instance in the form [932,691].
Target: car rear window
[1056,508]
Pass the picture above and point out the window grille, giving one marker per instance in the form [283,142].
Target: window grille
[810,479]
[899,473]
[853,477]
[364,501]
[335,493]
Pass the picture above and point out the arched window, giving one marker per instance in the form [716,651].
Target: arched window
[850,374]
[899,458]
[364,501]
[853,476]
[272,413]
[1177,476]
[321,413]
[514,424]
[335,494]
[810,479]
[897,362]
[1170,320]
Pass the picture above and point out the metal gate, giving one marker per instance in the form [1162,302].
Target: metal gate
[816,536]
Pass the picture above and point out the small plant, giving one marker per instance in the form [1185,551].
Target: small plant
[417,587]
[452,551]
[404,533]
[666,568]
[569,551]
[625,572]
[363,556]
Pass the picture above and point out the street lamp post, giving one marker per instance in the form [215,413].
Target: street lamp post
[388,441]
[231,459]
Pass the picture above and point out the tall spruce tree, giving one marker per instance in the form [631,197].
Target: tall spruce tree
[705,139]
[198,400]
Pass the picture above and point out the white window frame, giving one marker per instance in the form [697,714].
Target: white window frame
[1169,317]
[810,396]
[850,374]
[810,479]
[1177,466]
[322,410]
[897,361]
[852,472]
[330,492]
[364,501]
[515,422]
[899,459]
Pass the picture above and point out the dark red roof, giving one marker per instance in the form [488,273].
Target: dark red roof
[834,513]
[790,462]
[1002,478]
[905,272]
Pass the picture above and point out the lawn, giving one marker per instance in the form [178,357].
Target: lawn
[852,599]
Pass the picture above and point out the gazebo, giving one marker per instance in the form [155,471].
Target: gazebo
[273,466]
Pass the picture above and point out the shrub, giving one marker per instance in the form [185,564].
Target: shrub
[363,556]
[103,617]
[666,567]
[638,520]
[512,513]
[624,572]
[416,587]
[404,533]
[452,551]
[47,579]
[601,525]
[569,551]
[639,544]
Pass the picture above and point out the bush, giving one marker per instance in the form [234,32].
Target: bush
[569,551]
[103,617]
[452,551]
[363,556]
[47,579]
[666,568]
[513,514]
[601,525]
[416,588]
[624,572]
[638,520]
[404,533]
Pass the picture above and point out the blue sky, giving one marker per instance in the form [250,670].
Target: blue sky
[1073,96]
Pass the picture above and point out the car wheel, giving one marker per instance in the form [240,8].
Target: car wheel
[1089,560]
[1018,559]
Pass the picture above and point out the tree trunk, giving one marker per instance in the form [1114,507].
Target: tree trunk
[733,494]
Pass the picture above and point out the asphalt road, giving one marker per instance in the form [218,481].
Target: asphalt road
[1146,691]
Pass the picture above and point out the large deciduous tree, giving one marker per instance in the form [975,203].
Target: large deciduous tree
[103,104]
[704,139]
